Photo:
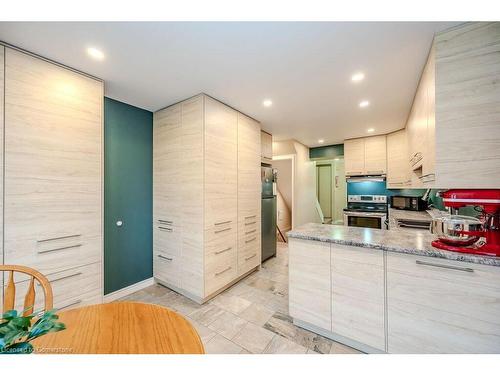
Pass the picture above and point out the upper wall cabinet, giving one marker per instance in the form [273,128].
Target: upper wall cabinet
[398,175]
[365,156]
[266,141]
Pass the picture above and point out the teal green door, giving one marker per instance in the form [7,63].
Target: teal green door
[128,179]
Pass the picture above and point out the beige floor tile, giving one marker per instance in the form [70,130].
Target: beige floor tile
[205,333]
[157,290]
[207,314]
[338,348]
[221,345]
[231,303]
[310,351]
[280,345]
[257,314]
[253,338]
[228,325]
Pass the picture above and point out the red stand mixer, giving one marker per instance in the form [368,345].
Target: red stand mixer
[467,234]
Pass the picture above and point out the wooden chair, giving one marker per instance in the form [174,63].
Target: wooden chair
[29,299]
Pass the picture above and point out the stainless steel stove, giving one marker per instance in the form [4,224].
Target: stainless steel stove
[369,211]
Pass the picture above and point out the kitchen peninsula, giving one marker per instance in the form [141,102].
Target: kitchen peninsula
[391,291]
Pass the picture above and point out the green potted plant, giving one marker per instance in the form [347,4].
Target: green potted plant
[17,331]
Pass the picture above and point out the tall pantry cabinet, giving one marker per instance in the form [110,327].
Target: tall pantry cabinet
[52,188]
[206,194]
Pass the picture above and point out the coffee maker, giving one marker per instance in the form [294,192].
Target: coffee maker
[466,234]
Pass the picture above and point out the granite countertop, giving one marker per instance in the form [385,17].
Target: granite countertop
[416,242]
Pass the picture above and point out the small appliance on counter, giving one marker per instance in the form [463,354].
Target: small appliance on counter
[269,211]
[369,211]
[467,234]
[410,203]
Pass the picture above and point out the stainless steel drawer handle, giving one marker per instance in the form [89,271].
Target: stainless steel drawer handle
[164,257]
[59,238]
[374,171]
[223,271]
[69,304]
[222,230]
[250,217]
[250,257]
[59,248]
[65,277]
[224,222]
[223,251]
[251,223]
[165,228]
[251,239]
[251,231]
[167,222]
[465,269]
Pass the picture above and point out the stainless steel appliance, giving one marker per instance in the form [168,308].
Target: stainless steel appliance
[268,229]
[413,203]
[368,211]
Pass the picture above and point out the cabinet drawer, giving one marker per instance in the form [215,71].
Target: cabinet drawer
[167,239]
[70,287]
[249,256]
[167,268]
[221,273]
[221,230]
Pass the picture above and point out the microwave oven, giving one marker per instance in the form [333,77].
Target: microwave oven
[408,203]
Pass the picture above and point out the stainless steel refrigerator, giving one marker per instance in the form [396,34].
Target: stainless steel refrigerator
[268,231]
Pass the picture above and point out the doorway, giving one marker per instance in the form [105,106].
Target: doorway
[284,195]
[331,190]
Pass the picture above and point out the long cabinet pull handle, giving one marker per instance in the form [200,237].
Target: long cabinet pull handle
[65,277]
[250,217]
[59,248]
[165,228]
[165,221]
[251,231]
[374,171]
[250,257]
[223,271]
[224,222]
[465,269]
[164,257]
[251,239]
[353,172]
[69,304]
[252,222]
[59,238]
[222,230]
[223,251]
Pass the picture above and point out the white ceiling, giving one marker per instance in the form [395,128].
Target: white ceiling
[304,68]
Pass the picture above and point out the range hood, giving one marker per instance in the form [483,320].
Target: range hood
[378,178]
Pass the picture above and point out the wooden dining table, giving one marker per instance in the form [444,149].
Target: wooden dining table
[121,328]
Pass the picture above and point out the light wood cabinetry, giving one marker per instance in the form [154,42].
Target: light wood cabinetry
[53,173]
[442,306]
[398,173]
[358,301]
[2,69]
[266,141]
[365,156]
[203,241]
[310,282]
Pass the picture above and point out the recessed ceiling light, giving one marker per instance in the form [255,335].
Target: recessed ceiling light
[370,130]
[364,104]
[321,141]
[95,53]
[356,77]
[267,103]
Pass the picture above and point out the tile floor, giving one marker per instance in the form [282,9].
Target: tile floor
[250,317]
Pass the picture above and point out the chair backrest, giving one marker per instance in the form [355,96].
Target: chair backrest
[29,299]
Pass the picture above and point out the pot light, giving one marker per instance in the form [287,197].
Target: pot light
[370,130]
[267,103]
[357,77]
[321,141]
[95,53]
[364,104]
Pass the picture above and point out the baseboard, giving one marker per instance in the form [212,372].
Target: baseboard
[128,290]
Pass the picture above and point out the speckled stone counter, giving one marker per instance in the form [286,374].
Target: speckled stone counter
[416,243]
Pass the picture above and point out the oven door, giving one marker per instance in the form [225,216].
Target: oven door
[365,220]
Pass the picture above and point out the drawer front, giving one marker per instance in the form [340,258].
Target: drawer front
[167,238]
[248,257]
[442,306]
[70,287]
[167,268]
[221,268]
[221,230]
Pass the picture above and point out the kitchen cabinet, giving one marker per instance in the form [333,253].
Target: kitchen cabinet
[365,156]
[208,154]
[398,172]
[266,141]
[442,306]
[310,282]
[2,70]
[53,175]
[358,300]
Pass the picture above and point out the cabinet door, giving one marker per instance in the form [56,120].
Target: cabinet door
[428,168]
[53,152]
[397,160]
[266,147]
[354,156]
[310,282]
[375,155]
[442,306]
[249,194]
[358,302]
[2,53]
[221,181]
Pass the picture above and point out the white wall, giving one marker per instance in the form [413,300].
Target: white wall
[304,185]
